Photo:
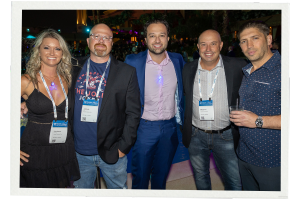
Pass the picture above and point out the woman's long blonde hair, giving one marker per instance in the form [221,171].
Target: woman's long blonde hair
[34,64]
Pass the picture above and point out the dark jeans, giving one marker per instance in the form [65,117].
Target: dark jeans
[224,155]
[259,178]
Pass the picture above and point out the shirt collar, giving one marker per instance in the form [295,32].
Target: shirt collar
[270,64]
[164,62]
[219,64]
[247,69]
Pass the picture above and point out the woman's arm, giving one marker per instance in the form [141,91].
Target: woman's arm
[24,93]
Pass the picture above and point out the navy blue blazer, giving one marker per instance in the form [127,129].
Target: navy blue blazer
[139,62]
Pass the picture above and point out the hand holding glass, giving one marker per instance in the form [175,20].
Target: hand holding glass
[236,108]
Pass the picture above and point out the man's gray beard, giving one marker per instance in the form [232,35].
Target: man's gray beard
[100,53]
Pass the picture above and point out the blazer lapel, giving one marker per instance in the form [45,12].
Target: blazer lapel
[191,79]
[141,76]
[178,73]
[229,78]
[109,83]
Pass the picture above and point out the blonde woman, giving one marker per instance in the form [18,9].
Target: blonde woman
[47,154]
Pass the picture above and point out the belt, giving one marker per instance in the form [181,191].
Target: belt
[40,122]
[214,131]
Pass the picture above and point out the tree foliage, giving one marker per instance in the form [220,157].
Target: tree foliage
[118,19]
[195,21]
[240,15]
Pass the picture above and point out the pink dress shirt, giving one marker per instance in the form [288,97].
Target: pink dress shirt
[160,88]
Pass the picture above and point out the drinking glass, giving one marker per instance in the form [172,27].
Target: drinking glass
[236,108]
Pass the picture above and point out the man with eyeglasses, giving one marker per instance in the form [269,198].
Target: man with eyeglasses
[160,82]
[104,112]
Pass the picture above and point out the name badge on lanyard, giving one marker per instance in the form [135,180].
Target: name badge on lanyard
[89,110]
[206,108]
[59,128]
[59,131]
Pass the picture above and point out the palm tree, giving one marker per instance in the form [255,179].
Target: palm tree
[225,32]
[214,19]
[225,23]
[94,20]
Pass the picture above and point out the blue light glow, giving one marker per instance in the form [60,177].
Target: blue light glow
[30,37]
[160,79]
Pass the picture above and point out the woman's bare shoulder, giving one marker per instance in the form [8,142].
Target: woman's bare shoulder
[25,82]
[25,78]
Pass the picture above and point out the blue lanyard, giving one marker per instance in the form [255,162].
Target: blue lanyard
[87,78]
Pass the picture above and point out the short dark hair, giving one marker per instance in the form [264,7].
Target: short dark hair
[260,25]
[155,21]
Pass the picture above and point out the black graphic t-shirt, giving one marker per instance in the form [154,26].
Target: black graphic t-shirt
[85,133]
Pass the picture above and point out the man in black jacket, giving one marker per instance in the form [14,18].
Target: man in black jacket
[210,86]
[104,113]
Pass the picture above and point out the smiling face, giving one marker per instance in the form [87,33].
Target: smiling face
[157,38]
[255,45]
[100,48]
[209,45]
[50,52]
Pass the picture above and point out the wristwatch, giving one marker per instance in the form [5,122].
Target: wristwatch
[259,122]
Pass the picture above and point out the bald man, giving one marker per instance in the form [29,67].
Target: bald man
[210,86]
[104,102]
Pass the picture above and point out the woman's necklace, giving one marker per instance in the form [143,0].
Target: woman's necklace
[52,86]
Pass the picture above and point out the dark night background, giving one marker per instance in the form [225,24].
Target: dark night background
[185,27]
[56,19]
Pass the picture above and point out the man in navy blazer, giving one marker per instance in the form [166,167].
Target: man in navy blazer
[161,97]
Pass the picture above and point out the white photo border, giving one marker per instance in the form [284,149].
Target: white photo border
[16,35]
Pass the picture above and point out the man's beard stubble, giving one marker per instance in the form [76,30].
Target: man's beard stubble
[152,50]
